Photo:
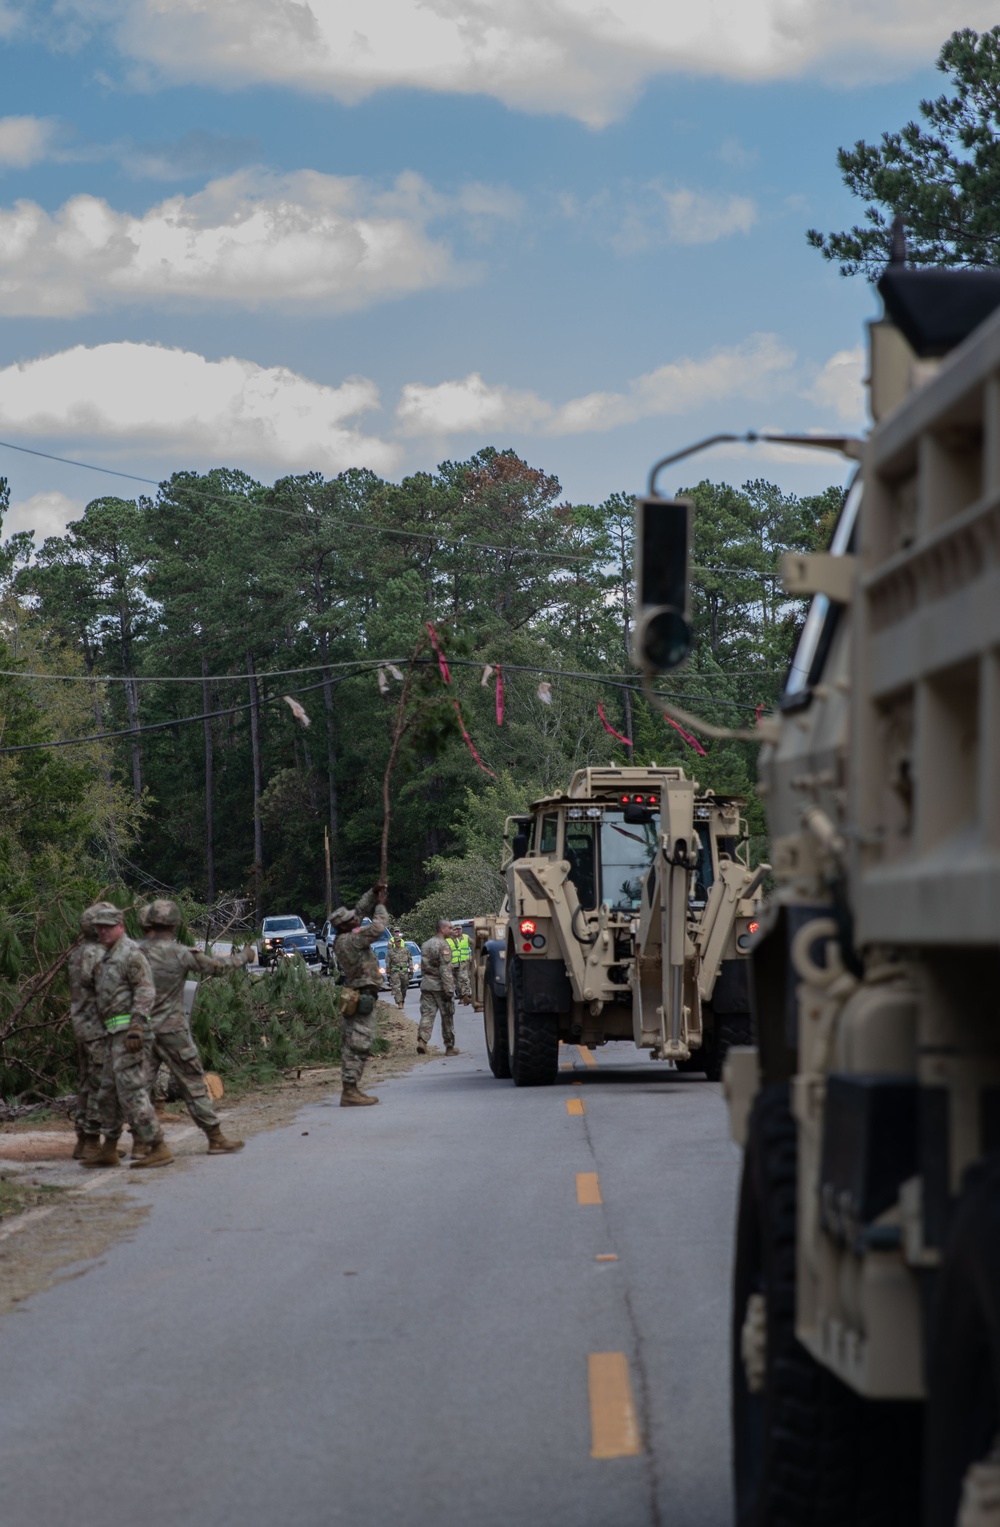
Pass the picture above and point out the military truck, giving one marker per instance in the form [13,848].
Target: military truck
[629,912]
[866,1314]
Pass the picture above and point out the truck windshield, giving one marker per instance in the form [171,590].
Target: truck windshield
[627,851]
[704,873]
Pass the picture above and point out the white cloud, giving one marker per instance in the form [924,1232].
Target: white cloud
[695,217]
[839,386]
[25,141]
[304,240]
[587,58]
[175,404]
[47,514]
[747,371]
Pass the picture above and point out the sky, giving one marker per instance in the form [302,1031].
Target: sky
[290,236]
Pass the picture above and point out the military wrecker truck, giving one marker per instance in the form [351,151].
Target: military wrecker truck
[866,1312]
[629,912]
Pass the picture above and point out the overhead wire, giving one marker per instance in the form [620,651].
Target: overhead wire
[368,663]
[369,525]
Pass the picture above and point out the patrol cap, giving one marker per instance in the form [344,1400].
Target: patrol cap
[160,913]
[104,914]
[86,921]
[342,915]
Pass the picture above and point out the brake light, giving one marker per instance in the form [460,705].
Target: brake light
[526,925]
[753,927]
[527,947]
[626,799]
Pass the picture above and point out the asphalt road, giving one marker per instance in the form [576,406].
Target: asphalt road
[403,1316]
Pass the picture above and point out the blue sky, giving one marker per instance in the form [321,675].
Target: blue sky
[286,236]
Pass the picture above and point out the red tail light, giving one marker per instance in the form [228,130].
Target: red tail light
[526,925]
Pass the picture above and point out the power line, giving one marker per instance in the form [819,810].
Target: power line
[229,710]
[389,530]
[159,726]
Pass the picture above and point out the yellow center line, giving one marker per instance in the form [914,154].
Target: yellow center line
[606,1256]
[588,1188]
[614,1427]
[575,1105]
[587,1055]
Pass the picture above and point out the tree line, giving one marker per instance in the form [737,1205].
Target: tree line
[308,588]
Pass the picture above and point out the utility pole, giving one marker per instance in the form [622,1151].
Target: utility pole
[329,880]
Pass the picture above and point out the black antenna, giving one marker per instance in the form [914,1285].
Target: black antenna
[897,253]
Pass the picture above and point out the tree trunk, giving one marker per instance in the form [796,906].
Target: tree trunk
[132,706]
[206,696]
[331,777]
[258,831]
[626,633]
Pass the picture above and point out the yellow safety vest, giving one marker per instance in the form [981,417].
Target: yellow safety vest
[461,949]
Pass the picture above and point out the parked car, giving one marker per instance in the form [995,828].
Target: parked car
[281,933]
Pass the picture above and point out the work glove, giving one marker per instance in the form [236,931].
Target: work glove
[133,1039]
[381,890]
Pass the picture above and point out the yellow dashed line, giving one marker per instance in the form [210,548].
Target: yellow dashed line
[587,1055]
[575,1105]
[588,1188]
[614,1427]
[606,1256]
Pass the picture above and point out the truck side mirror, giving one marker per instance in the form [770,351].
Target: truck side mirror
[519,847]
[662,626]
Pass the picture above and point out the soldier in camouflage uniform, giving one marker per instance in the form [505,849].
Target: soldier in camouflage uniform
[124,994]
[173,1046]
[398,967]
[437,990]
[353,952]
[90,1035]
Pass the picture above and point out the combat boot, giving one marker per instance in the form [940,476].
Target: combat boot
[218,1144]
[165,1117]
[157,1154]
[86,1146]
[81,1144]
[452,1050]
[101,1155]
[421,1047]
[353,1097]
[139,1150]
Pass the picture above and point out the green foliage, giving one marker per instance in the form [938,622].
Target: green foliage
[941,176]
[253,1029]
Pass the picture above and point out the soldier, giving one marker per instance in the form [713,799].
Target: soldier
[437,990]
[353,952]
[91,1039]
[173,1046]
[461,954]
[124,994]
[398,967]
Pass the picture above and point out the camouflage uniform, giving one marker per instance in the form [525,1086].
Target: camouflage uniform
[437,991]
[173,1047]
[89,1032]
[399,969]
[359,964]
[123,985]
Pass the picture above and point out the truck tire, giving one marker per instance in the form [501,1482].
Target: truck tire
[532,1038]
[807,1451]
[963,1407]
[496,1035]
[720,1036]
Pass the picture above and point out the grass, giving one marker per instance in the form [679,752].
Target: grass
[16,1195]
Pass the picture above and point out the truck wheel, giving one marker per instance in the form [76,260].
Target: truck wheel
[807,1450]
[496,1035]
[532,1038]
[720,1036]
[963,1409]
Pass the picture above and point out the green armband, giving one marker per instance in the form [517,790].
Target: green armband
[119,1021]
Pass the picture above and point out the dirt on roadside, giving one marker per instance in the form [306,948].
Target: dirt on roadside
[57,1218]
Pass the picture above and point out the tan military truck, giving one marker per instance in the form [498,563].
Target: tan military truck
[629,912]
[866,1318]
